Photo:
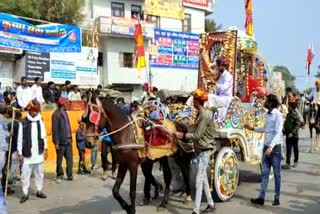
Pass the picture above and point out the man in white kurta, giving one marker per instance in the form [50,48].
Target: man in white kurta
[224,87]
[36,90]
[32,149]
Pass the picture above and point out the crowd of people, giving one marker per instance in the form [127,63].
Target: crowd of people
[30,149]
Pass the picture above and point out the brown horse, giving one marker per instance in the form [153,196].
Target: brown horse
[108,115]
[123,134]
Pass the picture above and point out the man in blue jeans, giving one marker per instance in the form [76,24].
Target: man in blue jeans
[272,149]
[203,139]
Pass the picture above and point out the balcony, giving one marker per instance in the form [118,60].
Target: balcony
[123,27]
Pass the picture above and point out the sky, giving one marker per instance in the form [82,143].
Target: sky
[283,30]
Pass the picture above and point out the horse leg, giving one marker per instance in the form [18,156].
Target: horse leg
[167,179]
[133,184]
[120,177]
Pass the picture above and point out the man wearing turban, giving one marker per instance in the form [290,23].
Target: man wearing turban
[32,149]
[203,139]
[224,86]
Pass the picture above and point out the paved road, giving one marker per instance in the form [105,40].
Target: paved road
[90,195]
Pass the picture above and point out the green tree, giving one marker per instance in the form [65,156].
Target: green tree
[62,11]
[57,11]
[27,8]
[286,76]
[211,25]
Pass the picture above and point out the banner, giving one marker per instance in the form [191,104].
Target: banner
[80,68]
[176,50]
[164,8]
[17,33]
[123,26]
[196,3]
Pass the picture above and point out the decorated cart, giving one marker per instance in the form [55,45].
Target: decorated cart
[250,73]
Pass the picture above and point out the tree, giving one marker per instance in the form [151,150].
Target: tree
[62,11]
[317,75]
[286,76]
[27,8]
[211,25]
[57,11]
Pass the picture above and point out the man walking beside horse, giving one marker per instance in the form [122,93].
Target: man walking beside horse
[203,142]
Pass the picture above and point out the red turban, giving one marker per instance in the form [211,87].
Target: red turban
[200,94]
[62,101]
[33,105]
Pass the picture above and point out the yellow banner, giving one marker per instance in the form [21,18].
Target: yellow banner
[164,8]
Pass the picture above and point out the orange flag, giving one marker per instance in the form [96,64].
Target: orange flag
[249,22]
[140,54]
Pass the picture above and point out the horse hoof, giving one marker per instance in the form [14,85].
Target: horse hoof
[131,210]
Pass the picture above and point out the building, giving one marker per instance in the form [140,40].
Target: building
[116,19]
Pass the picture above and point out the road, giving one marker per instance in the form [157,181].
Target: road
[90,195]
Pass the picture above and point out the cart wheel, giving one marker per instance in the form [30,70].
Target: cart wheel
[226,175]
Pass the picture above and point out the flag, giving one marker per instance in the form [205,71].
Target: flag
[310,56]
[140,54]
[249,22]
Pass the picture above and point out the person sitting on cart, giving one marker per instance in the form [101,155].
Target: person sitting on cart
[224,86]
[203,139]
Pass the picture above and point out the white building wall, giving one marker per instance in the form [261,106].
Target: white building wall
[116,74]
[197,19]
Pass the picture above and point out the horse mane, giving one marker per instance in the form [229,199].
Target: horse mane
[109,105]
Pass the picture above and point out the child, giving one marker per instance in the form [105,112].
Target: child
[291,130]
[107,147]
[81,146]
[4,135]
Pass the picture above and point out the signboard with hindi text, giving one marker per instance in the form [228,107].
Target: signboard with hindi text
[79,68]
[17,33]
[176,50]
[164,8]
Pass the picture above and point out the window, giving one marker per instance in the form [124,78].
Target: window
[136,11]
[186,23]
[126,60]
[117,9]
[154,19]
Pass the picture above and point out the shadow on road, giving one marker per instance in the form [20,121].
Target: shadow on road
[95,205]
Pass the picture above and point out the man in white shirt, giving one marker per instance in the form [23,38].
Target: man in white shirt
[74,95]
[224,86]
[36,90]
[272,149]
[24,95]
[33,150]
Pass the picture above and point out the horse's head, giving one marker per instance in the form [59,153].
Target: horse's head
[94,117]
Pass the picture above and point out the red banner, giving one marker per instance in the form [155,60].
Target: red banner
[197,3]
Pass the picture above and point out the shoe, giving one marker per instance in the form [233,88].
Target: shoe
[295,165]
[209,209]
[58,180]
[194,212]
[276,202]
[70,178]
[80,172]
[258,201]
[287,166]
[86,171]
[24,199]
[41,195]
[104,175]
